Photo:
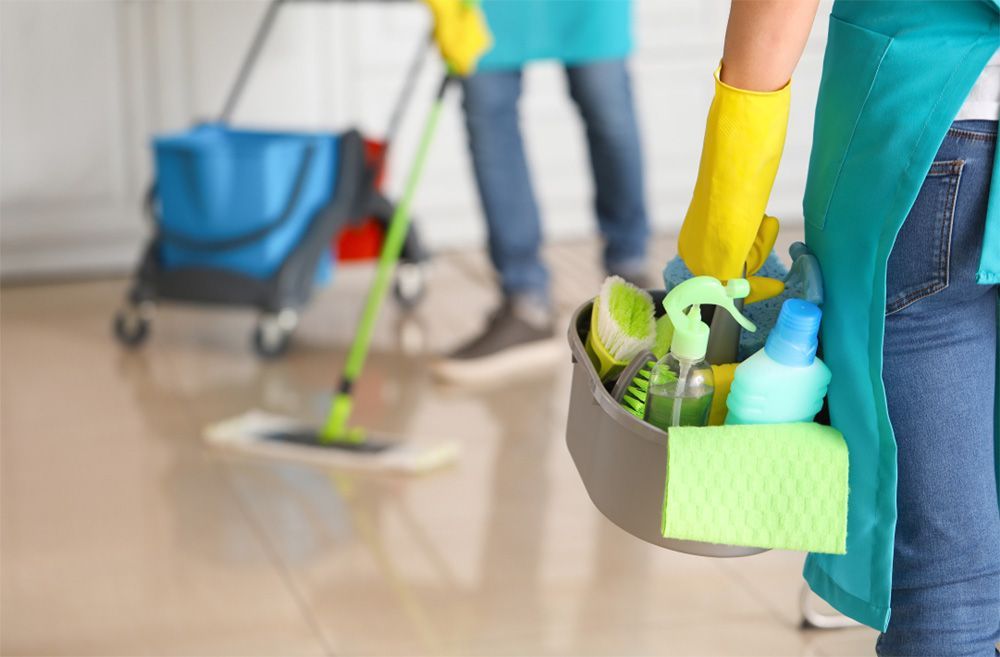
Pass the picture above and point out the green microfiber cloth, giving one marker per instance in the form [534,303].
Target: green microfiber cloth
[781,486]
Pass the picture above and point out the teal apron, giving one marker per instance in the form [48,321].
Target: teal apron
[569,31]
[895,75]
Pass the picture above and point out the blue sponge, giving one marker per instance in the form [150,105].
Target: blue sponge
[763,313]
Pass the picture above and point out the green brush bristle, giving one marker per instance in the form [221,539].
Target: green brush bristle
[639,411]
[625,324]
[633,405]
[634,400]
[630,307]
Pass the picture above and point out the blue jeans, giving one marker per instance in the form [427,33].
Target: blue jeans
[602,92]
[940,377]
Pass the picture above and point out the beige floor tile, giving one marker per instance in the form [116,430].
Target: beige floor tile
[124,534]
[119,535]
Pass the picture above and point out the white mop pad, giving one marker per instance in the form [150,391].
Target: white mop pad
[276,436]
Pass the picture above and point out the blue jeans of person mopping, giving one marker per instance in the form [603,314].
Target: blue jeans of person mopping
[940,376]
[603,94]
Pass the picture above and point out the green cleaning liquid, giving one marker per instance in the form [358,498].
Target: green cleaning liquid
[680,393]
[681,383]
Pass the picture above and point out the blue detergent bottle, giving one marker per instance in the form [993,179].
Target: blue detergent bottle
[784,381]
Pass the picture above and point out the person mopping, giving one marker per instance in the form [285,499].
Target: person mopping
[592,40]
[461,35]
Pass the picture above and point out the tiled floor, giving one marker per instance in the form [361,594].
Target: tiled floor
[123,534]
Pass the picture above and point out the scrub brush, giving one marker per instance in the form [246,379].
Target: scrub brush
[633,384]
[622,324]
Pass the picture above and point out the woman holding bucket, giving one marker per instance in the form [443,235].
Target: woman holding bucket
[901,213]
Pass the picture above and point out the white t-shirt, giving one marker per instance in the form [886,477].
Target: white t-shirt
[983,102]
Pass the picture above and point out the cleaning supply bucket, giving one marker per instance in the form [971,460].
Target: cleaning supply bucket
[621,460]
[779,502]
[239,200]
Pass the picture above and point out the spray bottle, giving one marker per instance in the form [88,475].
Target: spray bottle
[681,383]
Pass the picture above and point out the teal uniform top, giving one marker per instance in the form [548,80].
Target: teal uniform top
[569,31]
[895,74]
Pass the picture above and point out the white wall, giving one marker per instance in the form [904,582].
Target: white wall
[83,84]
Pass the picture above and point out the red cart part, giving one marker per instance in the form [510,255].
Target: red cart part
[374,150]
[362,240]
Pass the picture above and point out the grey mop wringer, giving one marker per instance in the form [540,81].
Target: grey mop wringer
[336,443]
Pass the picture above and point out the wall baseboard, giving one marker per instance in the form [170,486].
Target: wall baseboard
[38,260]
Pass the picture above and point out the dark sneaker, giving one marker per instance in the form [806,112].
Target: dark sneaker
[519,340]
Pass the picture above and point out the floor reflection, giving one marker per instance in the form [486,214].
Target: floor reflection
[120,521]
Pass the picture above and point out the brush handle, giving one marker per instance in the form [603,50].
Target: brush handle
[340,409]
[724,338]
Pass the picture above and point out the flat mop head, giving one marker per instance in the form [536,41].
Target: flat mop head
[275,436]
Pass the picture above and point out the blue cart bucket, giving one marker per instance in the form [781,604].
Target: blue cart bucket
[240,200]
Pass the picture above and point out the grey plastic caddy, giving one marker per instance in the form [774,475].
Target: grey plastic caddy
[621,460]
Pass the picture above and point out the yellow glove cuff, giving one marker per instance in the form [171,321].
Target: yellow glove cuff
[744,138]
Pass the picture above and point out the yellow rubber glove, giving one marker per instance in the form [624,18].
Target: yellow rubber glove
[461,33]
[744,137]
[723,378]
[762,287]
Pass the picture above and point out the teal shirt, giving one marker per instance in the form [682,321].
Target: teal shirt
[569,31]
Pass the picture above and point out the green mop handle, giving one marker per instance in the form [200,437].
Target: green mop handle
[335,429]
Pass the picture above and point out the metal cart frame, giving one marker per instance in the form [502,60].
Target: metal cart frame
[279,298]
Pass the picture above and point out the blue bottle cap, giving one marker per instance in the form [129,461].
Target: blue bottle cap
[793,340]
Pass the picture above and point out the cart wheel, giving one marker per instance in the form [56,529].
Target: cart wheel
[131,326]
[410,285]
[273,334]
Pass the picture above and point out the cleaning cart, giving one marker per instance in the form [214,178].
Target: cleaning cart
[255,219]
